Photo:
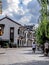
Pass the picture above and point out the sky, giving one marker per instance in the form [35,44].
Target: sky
[25,12]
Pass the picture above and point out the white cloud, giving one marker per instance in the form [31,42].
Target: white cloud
[21,11]
[26,1]
[25,19]
[36,26]
[25,13]
[13,1]
[10,9]
[13,4]
[9,1]
[30,23]
[6,12]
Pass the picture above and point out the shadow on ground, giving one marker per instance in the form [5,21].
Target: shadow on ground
[28,50]
[33,63]
[31,52]
[44,56]
[2,53]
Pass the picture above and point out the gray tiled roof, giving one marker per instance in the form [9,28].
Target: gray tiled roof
[29,27]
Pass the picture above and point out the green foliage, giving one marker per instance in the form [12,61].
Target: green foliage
[42,32]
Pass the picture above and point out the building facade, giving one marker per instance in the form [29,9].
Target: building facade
[12,32]
[26,35]
[8,30]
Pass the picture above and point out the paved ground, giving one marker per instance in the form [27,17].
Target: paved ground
[22,56]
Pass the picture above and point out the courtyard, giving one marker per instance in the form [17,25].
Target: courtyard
[22,56]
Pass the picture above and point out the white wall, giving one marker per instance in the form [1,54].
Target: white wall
[9,24]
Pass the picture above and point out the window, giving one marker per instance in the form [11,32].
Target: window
[18,31]
[1,29]
[1,32]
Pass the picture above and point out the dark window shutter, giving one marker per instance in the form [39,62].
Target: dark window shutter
[18,31]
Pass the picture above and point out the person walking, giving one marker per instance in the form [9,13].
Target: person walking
[46,45]
[33,46]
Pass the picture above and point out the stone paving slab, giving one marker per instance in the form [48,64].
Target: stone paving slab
[22,56]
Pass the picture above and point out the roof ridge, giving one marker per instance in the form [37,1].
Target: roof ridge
[10,19]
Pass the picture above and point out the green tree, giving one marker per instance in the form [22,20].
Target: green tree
[42,32]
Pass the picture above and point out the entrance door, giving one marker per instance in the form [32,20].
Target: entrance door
[11,34]
[1,43]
